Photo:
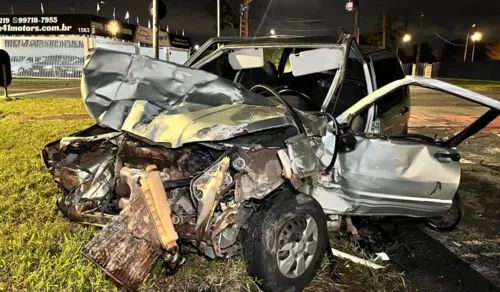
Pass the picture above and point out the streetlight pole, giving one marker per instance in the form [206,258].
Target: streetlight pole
[467,43]
[473,51]
[156,49]
[419,40]
[383,32]
[218,18]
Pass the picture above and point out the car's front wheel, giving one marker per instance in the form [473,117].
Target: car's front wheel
[286,241]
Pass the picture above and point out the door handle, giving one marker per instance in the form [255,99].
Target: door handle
[440,156]
[404,110]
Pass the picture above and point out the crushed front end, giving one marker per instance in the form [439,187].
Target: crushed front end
[174,166]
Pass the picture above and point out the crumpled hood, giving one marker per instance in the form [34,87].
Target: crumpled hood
[172,105]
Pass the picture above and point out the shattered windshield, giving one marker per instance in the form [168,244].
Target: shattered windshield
[303,92]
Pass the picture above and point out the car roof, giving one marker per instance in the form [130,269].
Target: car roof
[366,50]
[287,41]
[291,41]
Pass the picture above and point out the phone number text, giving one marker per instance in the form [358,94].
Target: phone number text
[35,19]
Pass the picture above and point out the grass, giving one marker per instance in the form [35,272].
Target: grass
[61,83]
[474,84]
[44,82]
[40,250]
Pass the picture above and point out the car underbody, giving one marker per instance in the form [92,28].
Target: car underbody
[218,153]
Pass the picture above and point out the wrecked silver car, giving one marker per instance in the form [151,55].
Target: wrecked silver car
[182,160]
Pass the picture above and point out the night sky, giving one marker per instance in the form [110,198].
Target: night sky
[449,18]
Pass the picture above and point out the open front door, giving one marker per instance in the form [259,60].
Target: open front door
[406,174]
[403,176]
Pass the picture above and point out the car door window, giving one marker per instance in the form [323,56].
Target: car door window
[354,86]
[392,112]
[388,70]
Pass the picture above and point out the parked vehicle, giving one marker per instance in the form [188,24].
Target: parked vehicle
[21,63]
[254,157]
[56,66]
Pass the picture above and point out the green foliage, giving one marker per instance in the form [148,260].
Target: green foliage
[273,55]
[493,50]
[45,83]
[229,21]
[474,84]
[395,30]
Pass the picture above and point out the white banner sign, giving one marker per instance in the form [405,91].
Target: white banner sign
[145,35]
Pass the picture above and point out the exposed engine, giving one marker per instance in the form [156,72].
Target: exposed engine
[209,203]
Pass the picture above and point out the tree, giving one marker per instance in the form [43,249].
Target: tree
[453,53]
[493,50]
[394,31]
[426,55]
[230,20]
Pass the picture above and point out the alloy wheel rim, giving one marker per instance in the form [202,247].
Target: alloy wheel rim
[297,244]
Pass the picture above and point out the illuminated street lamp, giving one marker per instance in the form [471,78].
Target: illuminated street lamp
[271,32]
[406,38]
[476,37]
[196,47]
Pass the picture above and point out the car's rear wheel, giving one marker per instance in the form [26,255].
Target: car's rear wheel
[450,220]
[286,241]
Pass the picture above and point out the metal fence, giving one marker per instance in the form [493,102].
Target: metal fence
[63,57]
[55,57]
[486,70]
[45,57]
[115,45]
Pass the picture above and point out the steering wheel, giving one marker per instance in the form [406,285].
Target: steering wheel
[289,108]
[265,88]
[298,93]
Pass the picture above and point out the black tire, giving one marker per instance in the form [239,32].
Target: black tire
[446,224]
[261,241]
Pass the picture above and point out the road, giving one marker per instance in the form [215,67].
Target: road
[432,109]
[426,97]
[41,91]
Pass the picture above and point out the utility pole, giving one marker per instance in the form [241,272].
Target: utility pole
[473,51]
[244,9]
[419,39]
[353,5]
[383,31]
[356,20]
[156,49]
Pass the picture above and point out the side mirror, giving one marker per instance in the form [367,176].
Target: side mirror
[347,143]
[315,61]
[5,70]
[246,59]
